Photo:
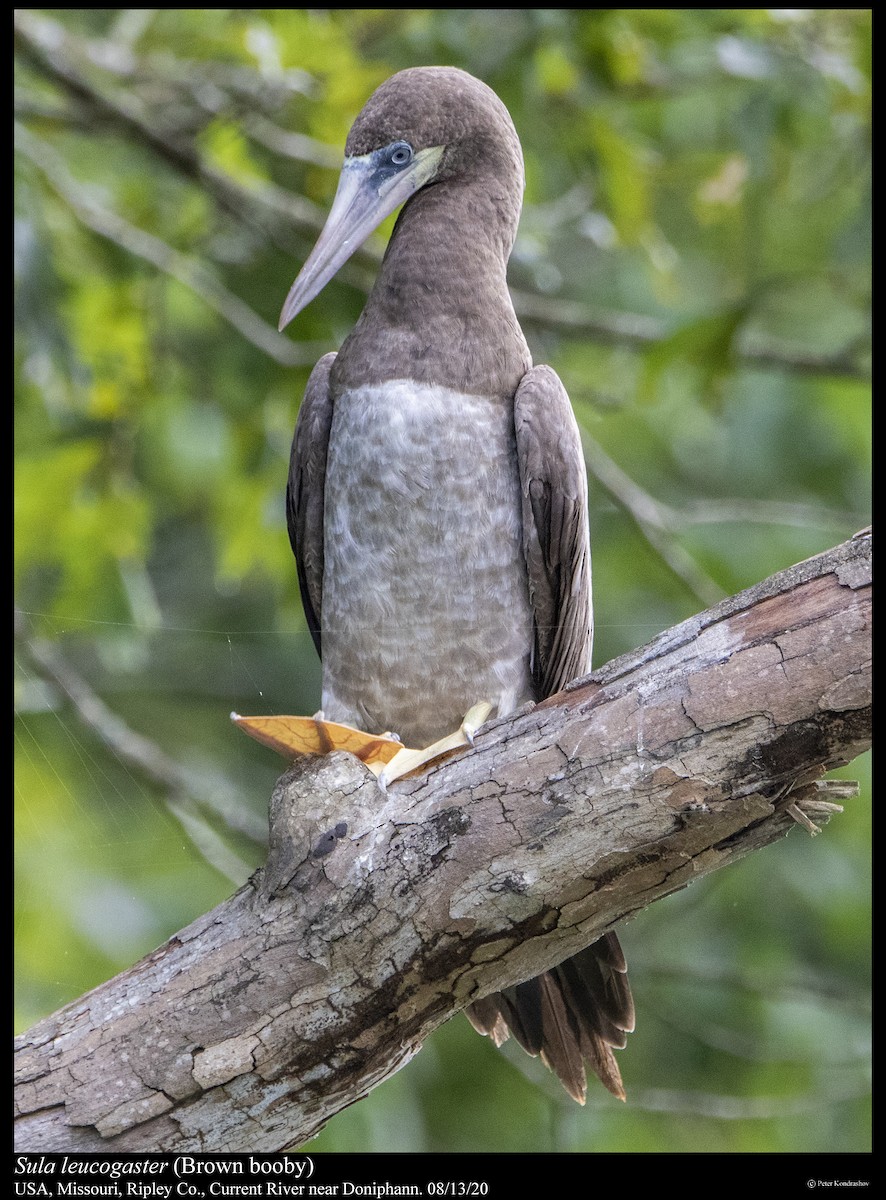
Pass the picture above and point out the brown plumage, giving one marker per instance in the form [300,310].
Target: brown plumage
[437,499]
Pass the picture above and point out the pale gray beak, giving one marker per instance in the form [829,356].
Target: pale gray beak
[369,189]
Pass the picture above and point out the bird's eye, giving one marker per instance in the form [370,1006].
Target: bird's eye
[401,154]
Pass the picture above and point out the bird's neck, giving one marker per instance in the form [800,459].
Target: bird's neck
[452,241]
[440,310]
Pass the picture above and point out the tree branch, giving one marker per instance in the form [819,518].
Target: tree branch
[376,918]
[187,270]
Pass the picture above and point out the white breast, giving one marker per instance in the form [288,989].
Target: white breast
[425,597]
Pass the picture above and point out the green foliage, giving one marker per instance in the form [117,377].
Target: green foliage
[696,250]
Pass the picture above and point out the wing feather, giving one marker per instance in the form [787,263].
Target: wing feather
[305,491]
[555,529]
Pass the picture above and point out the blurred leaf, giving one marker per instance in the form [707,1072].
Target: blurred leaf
[707,343]
[623,176]
[556,73]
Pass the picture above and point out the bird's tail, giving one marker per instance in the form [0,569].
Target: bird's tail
[576,1013]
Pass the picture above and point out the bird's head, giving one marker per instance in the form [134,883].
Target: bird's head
[422,126]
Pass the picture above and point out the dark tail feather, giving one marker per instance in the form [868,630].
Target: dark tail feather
[574,1014]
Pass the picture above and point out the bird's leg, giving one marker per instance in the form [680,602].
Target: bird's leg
[407,760]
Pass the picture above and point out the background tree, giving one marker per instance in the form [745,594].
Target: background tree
[694,261]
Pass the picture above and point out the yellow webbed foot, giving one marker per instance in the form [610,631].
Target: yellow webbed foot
[295,736]
[384,754]
[407,760]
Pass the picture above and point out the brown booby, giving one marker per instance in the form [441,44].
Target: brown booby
[437,496]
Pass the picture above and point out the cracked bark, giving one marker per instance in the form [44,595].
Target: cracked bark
[376,917]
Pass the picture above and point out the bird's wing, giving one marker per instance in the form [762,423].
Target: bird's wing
[305,490]
[555,529]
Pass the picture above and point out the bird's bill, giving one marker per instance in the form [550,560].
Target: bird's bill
[365,196]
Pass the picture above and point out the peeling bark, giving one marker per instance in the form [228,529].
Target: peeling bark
[377,917]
